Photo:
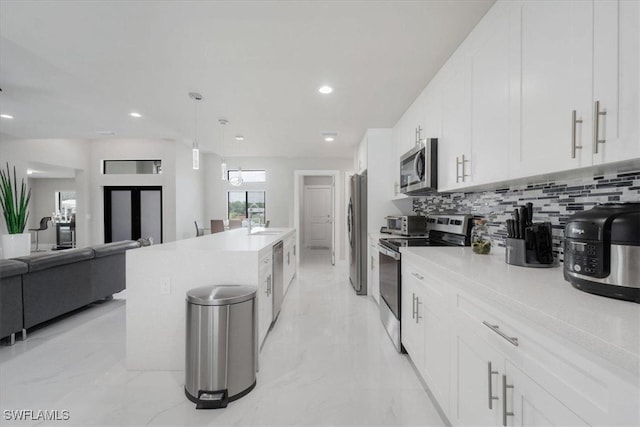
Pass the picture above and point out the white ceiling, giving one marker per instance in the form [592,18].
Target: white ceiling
[71,69]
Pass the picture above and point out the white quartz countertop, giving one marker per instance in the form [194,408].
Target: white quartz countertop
[607,327]
[236,240]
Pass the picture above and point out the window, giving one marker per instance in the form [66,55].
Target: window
[240,201]
[132,167]
[248,175]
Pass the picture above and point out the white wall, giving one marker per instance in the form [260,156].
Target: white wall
[279,187]
[43,204]
[86,156]
[73,154]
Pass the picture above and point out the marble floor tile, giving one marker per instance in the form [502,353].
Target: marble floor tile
[326,361]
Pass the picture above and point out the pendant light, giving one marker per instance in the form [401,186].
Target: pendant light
[223,165]
[237,180]
[195,150]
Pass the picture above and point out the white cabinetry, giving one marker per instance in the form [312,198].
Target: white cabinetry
[290,265]
[579,85]
[265,296]
[487,365]
[616,48]
[426,328]
[454,148]
[556,74]
[373,281]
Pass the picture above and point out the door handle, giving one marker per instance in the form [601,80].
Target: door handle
[417,276]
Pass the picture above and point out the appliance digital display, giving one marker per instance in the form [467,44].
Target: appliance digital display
[443,221]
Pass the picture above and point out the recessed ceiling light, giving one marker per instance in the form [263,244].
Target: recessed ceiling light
[239,138]
[105,132]
[6,116]
[329,136]
[136,115]
[325,90]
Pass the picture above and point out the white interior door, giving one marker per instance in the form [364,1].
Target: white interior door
[318,216]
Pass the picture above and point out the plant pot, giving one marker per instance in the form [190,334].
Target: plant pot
[15,245]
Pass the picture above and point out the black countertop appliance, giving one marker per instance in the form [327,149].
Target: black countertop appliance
[602,251]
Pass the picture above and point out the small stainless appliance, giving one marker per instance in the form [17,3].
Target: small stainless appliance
[444,230]
[419,168]
[357,231]
[602,251]
[407,225]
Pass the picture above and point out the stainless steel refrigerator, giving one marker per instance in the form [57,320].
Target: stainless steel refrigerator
[357,230]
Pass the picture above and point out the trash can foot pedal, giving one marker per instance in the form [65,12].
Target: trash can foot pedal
[209,399]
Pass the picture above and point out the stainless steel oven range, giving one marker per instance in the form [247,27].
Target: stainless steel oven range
[444,230]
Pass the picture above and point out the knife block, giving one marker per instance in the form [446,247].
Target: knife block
[518,254]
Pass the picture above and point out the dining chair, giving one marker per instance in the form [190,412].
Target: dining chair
[235,223]
[217,225]
[199,229]
[44,224]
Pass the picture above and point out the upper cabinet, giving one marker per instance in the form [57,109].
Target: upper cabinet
[537,87]
[616,74]
[578,98]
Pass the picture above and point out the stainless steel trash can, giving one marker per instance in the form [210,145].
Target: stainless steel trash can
[221,344]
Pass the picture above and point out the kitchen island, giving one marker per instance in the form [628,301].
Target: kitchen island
[159,276]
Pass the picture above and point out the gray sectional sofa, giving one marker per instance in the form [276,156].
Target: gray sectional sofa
[40,287]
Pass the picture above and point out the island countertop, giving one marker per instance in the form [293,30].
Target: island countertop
[606,327]
[158,277]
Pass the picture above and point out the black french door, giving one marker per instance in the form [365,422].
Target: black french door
[132,212]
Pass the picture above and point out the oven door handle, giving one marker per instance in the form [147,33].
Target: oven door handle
[389,252]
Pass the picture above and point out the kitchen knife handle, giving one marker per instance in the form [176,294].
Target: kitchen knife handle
[529,207]
[523,222]
[574,123]
[596,126]
[516,223]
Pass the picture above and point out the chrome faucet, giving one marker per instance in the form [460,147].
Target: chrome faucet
[251,211]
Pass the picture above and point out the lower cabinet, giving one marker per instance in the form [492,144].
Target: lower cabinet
[265,297]
[373,282]
[487,366]
[426,329]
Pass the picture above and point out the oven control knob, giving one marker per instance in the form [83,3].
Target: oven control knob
[577,267]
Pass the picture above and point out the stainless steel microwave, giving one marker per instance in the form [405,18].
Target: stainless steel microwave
[419,168]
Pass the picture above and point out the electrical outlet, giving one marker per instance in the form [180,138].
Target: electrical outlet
[165,285]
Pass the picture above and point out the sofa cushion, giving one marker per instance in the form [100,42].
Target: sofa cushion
[11,267]
[39,262]
[107,249]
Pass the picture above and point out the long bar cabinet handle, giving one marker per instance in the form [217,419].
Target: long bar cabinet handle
[490,373]
[505,413]
[496,329]
[574,123]
[596,126]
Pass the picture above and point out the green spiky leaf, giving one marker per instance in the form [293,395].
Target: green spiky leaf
[14,205]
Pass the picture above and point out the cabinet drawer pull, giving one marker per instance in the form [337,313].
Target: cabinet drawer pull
[596,126]
[413,305]
[268,285]
[496,329]
[490,373]
[505,413]
[574,123]
[417,276]
[418,317]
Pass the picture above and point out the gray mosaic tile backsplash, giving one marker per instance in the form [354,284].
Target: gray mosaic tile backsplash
[553,201]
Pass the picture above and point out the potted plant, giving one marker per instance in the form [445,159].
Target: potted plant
[14,208]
